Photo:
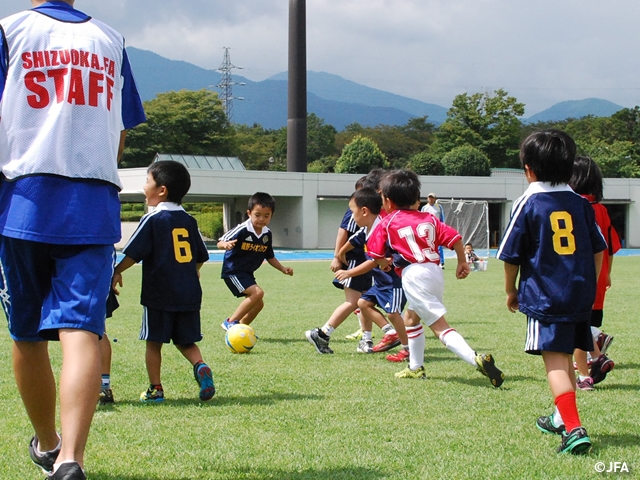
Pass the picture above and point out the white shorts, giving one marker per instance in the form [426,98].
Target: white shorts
[423,284]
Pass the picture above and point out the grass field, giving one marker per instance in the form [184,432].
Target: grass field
[285,412]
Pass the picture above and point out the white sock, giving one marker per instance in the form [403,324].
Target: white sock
[595,332]
[327,329]
[388,329]
[366,336]
[557,418]
[454,342]
[416,346]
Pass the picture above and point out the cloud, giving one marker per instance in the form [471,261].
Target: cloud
[542,52]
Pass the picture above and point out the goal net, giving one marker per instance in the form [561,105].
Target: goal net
[471,219]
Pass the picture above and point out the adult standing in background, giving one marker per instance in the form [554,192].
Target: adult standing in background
[435,209]
[67,97]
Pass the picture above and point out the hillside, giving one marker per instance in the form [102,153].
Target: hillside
[576,109]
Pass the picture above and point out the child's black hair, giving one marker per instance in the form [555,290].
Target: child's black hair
[549,154]
[263,199]
[368,197]
[402,187]
[360,182]
[372,179]
[587,178]
[172,175]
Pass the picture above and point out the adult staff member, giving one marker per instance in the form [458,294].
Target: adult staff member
[435,209]
[67,97]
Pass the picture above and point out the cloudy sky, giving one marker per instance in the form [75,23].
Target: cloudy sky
[541,51]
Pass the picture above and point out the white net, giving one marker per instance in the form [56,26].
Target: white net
[471,219]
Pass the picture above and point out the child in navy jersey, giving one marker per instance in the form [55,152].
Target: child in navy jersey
[553,244]
[247,246]
[169,244]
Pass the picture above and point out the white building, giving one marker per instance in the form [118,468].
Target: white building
[310,206]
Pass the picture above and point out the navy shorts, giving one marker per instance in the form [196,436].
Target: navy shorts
[561,337]
[46,287]
[596,318]
[392,300]
[239,282]
[361,283]
[183,328]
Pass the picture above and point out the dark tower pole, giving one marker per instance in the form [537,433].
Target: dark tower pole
[297,97]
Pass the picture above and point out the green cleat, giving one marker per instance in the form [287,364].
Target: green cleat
[545,425]
[408,373]
[487,367]
[577,442]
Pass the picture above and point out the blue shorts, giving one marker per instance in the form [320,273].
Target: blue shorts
[361,283]
[392,300]
[183,328]
[45,287]
[561,337]
[239,282]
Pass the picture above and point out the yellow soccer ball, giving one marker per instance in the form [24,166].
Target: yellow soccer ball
[240,338]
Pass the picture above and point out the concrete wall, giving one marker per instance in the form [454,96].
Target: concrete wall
[309,206]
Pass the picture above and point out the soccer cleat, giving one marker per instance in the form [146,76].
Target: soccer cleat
[226,325]
[365,346]
[586,384]
[401,356]
[486,365]
[600,367]
[576,442]
[315,338]
[357,335]
[204,377]
[44,460]
[603,341]
[106,397]
[408,373]
[152,396]
[545,425]
[389,341]
[68,471]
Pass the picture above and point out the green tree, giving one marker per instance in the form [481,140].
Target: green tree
[360,156]
[320,138]
[485,121]
[185,122]
[425,163]
[466,161]
[256,146]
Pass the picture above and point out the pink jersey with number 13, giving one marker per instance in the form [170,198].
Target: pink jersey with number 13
[415,235]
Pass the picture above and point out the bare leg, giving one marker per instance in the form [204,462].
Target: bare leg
[79,387]
[398,324]
[343,310]
[37,387]
[250,306]
[153,359]
[581,361]
[560,372]
[105,354]
[191,352]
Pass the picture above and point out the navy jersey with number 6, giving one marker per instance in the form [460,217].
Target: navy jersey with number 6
[552,236]
[169,244]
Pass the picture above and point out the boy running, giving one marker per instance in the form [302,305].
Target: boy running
[169,244]
[247,246]
[416,236]
[553,243]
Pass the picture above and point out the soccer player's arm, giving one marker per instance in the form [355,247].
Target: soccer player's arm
[273,261]
[227,241]
[125,263]
[341,255]
[597,258]
[364,267]
[462,270]
[341,240]
[510,277]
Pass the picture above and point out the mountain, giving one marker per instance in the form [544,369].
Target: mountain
[338,101]
[576,109]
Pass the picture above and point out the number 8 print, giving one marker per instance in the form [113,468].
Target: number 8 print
[562,227]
